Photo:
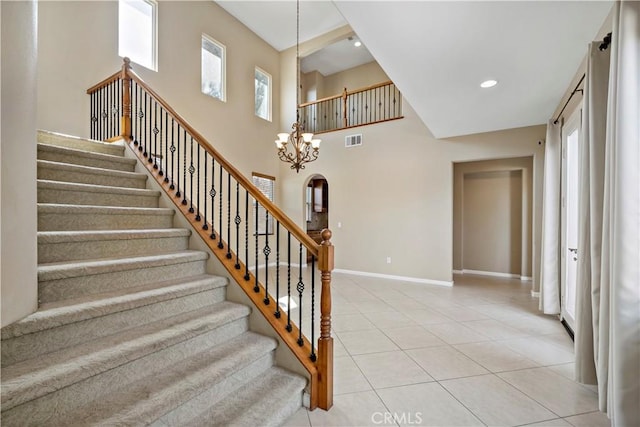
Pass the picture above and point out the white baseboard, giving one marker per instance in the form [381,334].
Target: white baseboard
[457,272]
[491,273]
[526,278]
[535,294]
[392,277]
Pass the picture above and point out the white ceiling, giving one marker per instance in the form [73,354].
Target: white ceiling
[438,52]
[337,57]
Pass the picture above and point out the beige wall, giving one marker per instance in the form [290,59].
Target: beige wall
[492,222]
[467,169]
[353,78]
[19,282]
[79,47]
[394,194]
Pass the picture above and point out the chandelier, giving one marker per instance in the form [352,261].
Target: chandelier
[297,147]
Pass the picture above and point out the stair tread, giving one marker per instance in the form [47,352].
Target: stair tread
[95,188]
[67,269]
[110,210]
[158,393]
[33,378]
[59,139]
[93,235]
[65,312]
[70,167]
[42,146]
[266,395]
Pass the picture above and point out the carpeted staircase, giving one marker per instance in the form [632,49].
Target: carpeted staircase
[131,330]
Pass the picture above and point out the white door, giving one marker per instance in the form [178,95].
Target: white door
[571,136]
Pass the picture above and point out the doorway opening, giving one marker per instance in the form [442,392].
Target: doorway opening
[569,244]
[316,197]
[493,218]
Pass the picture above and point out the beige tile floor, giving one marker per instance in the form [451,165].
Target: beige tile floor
[477,354]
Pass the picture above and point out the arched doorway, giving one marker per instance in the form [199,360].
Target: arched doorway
[316,208]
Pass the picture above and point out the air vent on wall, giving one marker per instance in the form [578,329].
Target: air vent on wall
[353,140]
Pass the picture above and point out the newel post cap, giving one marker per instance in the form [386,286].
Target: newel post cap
[325,253]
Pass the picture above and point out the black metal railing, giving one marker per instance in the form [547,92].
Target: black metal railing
[217,200]
[373,104]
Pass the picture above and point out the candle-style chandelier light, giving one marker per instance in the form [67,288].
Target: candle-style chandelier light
[297,147]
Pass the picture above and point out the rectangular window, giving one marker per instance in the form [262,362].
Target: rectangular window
[137,31]
[265,184]
[213,68]
[263,94]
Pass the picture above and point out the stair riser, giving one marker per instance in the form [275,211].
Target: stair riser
[54,174]
[32,345]
[74,287]
[47,410]
[80,144]
[214,394]
[47,195]
[49,221]
[85,161]
[57,252]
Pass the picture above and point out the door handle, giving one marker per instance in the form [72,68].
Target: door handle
[575,253]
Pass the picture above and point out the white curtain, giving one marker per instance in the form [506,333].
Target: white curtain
[613,285]
[550,257]
[591,193]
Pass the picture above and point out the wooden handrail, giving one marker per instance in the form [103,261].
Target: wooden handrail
[115,76]
[341,103]
[274,210]
[317,101]
[319,365]
[364,89]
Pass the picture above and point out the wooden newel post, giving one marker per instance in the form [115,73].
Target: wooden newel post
[344,108]
[125,129]
[325,342]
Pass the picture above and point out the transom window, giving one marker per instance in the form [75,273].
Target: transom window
[213,68]
[265,184]
[263,94]
[137,31]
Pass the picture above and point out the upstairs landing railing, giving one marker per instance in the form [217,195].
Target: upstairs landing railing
[373,104]
[265,258]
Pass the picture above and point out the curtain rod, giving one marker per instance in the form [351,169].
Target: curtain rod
[603,46]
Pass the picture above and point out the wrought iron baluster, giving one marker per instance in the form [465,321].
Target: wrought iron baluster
[178,193]
[140,117]
[229,216]
[146,125]
[246,235]
[237,220]
[220,244]
[266,251]
[134,112]
[198,217]
[119,108]
[172,186]
[289,328]
[153,156]
[184,167]
[212,193]
[312,356]
[99,135]
[277,312]
[300,289]
[205,226]
[163,160]
[192,170]
[256,288]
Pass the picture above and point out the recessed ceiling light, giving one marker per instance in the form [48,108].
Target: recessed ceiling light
[488,83]
[357,43]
